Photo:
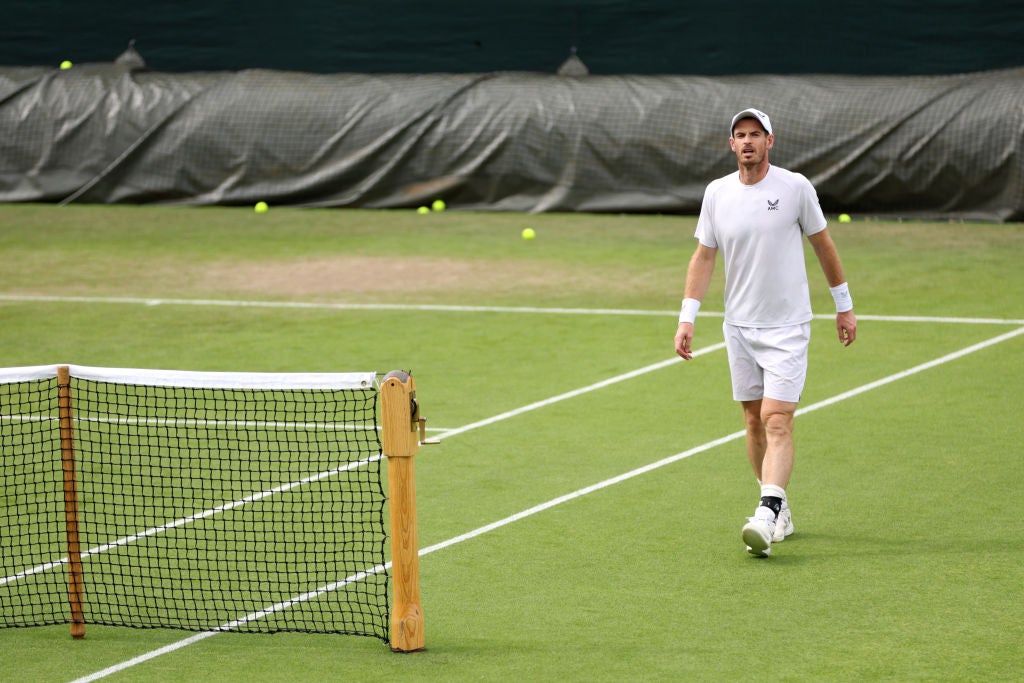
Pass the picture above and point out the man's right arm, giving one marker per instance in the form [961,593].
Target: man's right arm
[698,278]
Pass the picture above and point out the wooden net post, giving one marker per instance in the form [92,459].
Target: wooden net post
[67,457]
[399,421]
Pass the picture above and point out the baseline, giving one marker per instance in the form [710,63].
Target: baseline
[446,308]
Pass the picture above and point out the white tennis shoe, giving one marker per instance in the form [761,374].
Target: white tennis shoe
[783,525]
[759,531]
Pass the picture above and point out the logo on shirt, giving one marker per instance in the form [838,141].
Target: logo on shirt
[773,206]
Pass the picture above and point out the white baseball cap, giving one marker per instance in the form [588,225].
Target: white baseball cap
[761,117]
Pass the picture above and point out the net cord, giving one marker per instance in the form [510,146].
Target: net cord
[198,379]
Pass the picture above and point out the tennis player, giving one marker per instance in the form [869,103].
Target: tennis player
[758,217]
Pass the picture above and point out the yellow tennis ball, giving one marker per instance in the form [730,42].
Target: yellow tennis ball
[528,233]
[66,64]
[423,209]
[261,207]
[844,218]
[439,205]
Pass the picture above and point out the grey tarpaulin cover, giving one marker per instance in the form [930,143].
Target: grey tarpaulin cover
[911,146]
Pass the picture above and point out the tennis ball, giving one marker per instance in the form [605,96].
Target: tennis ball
[261,207]
[423,209]
[844,218]
[438,205]
[66,64]
[528,233]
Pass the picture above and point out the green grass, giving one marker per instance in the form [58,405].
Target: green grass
[907,561]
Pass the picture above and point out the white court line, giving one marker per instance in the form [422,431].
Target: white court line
[155,301]
[576,392]
[167,649]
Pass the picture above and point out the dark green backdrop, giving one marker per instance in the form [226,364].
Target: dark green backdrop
[706,37]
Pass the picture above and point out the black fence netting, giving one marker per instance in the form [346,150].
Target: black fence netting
[911,146]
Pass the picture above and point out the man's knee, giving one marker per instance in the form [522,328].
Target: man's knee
[777,417]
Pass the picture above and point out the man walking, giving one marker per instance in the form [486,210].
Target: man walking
[757,217]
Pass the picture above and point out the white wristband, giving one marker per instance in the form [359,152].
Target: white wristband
[841,295]
[688,313]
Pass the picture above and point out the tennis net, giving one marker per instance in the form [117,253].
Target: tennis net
[198,501]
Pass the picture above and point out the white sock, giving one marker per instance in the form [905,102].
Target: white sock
[771,500]
[785,503]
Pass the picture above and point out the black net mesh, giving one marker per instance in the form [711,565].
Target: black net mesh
[33,581]
[200,508]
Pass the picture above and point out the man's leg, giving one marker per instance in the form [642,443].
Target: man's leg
[769,427]
[777,421]
[757,441]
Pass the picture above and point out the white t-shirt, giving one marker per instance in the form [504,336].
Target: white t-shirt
[759,230]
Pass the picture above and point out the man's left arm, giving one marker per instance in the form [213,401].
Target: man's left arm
[832,267]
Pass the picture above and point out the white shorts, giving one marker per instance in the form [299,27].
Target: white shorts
[767,362]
